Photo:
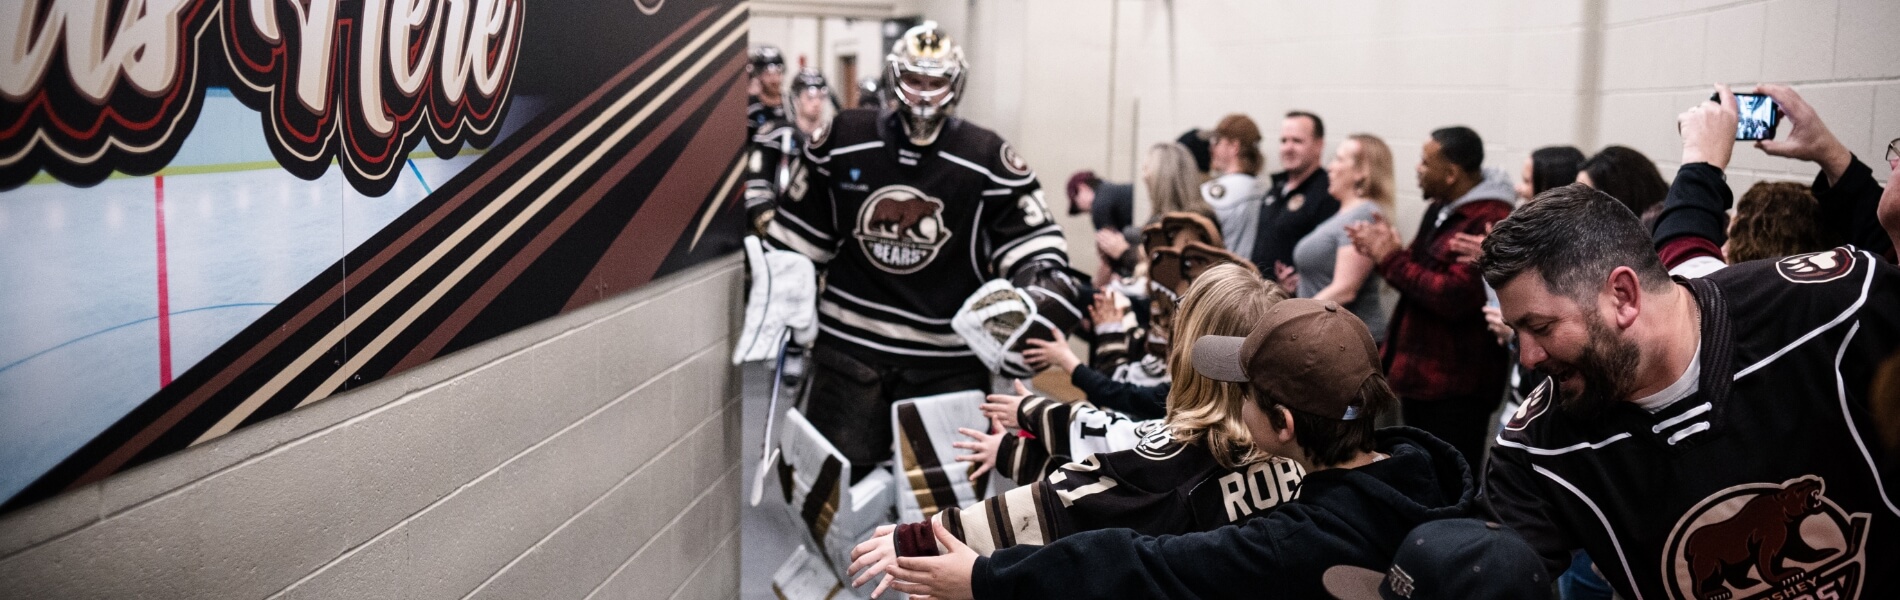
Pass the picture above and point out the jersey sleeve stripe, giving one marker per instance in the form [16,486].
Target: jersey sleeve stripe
[811,154]
[885,328]
[986,172]
[1051,229]
[787,238]
[999,192]
[1621,558]
[809,231]
[1038,245]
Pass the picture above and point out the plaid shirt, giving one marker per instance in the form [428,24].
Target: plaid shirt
[1437,345]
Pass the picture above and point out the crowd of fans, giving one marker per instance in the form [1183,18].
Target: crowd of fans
[1579,379]
[1460,356]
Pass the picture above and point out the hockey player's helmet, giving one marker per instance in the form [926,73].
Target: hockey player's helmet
[871,92]
[925,74]
[764,58]
[809,79]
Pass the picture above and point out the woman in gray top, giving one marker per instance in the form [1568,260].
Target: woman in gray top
[1325,265]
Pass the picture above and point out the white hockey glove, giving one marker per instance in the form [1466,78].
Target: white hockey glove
[783,295]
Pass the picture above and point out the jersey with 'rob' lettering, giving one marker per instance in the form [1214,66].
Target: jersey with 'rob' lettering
[1162,486]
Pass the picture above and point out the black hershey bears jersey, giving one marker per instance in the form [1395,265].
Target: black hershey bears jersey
[1160,487]
[1766,482]
[906,233]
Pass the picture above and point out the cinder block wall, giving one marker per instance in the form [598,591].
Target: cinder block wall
[1091,83]
[595,454]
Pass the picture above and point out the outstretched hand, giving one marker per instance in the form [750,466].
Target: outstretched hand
[873,557]
[1043,354]
[1003,407]
[983,450]
[942,577]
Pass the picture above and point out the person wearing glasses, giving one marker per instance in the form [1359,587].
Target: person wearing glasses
[1851,202]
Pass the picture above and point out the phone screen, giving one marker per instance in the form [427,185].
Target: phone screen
[1757,117]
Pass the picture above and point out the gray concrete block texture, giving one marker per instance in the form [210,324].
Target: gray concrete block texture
[598,445]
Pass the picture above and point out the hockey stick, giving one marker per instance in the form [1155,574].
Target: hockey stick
[768,454]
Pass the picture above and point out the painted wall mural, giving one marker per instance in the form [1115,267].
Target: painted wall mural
[213,212]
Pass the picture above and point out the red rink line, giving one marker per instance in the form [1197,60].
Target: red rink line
[164,294]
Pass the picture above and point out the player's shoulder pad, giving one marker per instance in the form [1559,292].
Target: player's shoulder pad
[847,128]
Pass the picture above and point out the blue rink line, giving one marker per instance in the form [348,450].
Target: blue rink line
[419,179]
[76,340]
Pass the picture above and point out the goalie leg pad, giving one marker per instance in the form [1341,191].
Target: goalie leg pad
[929,478]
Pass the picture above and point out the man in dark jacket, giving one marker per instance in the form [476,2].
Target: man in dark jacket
[1314,370]
[1296,199]
[1444,362]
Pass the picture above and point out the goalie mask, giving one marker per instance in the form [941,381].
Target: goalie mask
[925,75]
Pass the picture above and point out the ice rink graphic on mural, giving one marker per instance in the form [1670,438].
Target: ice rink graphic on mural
[291,229]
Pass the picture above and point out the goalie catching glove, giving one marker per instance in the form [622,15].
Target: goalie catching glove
[999,319]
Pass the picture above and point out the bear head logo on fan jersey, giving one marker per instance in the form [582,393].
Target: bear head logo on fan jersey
[1765,540]
[1534,406]
[901,229]
[1819,267]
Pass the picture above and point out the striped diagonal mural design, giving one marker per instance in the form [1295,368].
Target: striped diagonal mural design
[631,179]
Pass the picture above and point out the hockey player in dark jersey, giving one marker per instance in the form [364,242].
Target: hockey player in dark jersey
[779,142]
[909,212]
[1700,438]
[764,102]
[1196,471]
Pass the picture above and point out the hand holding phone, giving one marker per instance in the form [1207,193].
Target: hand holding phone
[1757,116]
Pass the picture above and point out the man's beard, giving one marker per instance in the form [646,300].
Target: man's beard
[1607,366]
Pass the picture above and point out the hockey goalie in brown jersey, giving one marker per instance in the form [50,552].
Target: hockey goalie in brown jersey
[1194,471]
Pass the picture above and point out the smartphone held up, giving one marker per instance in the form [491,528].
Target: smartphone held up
[1757,116]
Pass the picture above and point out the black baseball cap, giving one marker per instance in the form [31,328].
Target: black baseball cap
[1449,558]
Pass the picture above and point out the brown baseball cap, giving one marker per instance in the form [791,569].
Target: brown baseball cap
[1309,355]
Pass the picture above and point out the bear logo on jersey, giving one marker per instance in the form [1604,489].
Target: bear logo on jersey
[1819,267]
[901,229]
[1013,161]
[1764,540]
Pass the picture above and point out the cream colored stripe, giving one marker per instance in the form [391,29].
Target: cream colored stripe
[468,265]
[704,220]
[356,318]
[976,526]
[1025,515]
[886,328]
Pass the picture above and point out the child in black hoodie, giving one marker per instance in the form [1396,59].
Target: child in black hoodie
[1315,375]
